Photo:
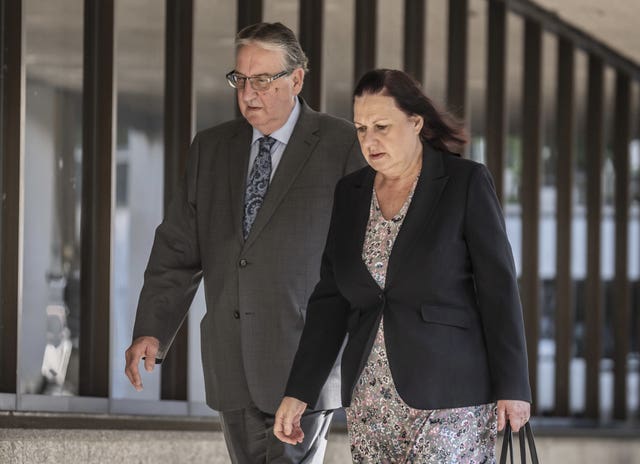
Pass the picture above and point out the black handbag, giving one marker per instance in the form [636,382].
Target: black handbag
[525,436]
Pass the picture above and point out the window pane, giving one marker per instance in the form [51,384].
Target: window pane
[284,11]
[513,147]
[338,67]
[50,317]
[435,67]
[390,40]
[634,249]
[214,56]
[547,225]
[577,372]
[139,63]
[477,81]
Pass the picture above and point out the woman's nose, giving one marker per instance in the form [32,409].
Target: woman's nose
[368,140]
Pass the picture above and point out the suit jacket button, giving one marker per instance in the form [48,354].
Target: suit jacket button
[381,296]
[243,263]
[236,314]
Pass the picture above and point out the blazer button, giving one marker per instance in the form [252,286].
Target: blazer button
[381,296]
[243,263]
[236,314]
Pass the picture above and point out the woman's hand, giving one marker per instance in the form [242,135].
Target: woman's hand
[517,412]
[287,423]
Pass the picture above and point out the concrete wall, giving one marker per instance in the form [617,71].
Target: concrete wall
[22,446]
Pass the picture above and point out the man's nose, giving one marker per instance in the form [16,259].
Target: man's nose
[247,93]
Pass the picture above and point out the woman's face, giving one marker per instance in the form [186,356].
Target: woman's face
[389,139]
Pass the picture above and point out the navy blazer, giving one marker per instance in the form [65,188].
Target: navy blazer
[453,321]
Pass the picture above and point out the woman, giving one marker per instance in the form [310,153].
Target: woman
[418,272]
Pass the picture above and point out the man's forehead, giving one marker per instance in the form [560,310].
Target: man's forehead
[259,60]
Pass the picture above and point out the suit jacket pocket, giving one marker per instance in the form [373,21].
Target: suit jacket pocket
[445,315]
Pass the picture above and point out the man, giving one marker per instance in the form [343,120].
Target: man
[250,220]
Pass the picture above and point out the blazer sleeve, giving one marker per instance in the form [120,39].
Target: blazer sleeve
[496,288]
[324,330]
[174,270]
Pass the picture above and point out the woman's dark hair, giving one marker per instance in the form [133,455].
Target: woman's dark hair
[441,130]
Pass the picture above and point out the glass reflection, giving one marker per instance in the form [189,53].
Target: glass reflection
[139,174]
[633,270]
[513,144]
[477,81]
[214,55]
[338,67]
[548,226]
[435,69]
[50,318]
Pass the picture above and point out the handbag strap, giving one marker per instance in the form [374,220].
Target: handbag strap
[525,437]
[507,445]
[528,431]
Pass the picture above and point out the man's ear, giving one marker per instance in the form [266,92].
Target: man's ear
[297,77]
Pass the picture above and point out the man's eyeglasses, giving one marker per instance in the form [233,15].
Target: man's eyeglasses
[259,83]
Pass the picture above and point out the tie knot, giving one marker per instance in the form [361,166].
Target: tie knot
[266,143]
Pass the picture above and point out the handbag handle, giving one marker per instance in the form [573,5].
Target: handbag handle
[525,436]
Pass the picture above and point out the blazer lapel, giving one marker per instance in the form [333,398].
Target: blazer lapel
[238,156]
[425,198]
[301,144]
[351,240]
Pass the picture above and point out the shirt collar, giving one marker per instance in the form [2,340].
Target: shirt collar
[283,134]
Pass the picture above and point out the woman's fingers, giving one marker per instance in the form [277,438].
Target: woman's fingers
[517,412]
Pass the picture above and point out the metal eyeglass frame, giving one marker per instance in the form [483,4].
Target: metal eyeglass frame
[259,83]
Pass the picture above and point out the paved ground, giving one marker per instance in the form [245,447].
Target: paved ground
[27,446]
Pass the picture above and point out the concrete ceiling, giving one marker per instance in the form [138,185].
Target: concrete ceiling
[614,22]
[54,37]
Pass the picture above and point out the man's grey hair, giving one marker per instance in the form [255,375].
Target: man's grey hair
[277,37]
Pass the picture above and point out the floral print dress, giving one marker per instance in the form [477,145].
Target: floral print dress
[382,427]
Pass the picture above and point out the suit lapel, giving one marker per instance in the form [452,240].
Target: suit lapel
[301,144]
[425,198]
[238,155]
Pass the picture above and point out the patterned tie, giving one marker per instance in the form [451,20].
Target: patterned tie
[258,184]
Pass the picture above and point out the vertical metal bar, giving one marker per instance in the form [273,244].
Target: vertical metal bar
[457,57]
[178,126]
[593,306]
[365,37]
[249,12]
[496,85]
[564,187]
[414,32]
[622,308]
[311,27]
[12,91]
[97,176]
[531,147]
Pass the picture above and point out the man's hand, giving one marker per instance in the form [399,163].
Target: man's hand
[517,412]
[146,347]
[287,423]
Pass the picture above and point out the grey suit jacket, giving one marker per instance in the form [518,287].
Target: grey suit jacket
[256,291]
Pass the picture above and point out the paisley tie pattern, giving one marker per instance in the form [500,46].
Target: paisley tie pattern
[258,184]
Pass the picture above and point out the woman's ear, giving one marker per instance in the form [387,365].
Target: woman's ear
[418,122]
